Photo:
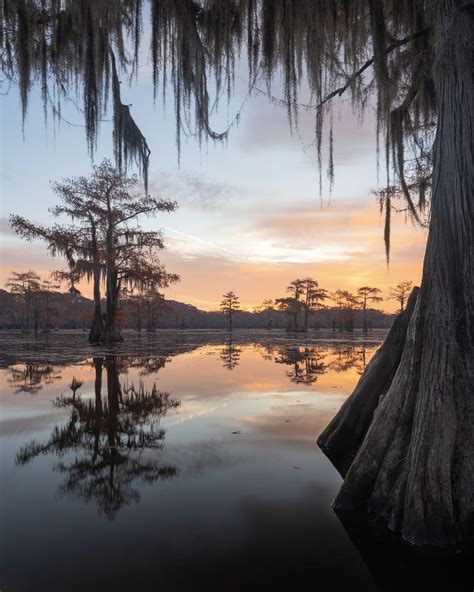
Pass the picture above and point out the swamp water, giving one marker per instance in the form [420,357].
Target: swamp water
[187,461]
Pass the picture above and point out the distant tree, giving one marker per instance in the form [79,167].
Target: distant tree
[104,243]
[347,304]
[133,303]
[266,307]
[312,296]
[46,294]
[292,305]
[26,285]
[155,304]
[229,306]
[338,298]
[366,295]
[401,292]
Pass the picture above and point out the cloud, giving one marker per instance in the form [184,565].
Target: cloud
[192,191]
[265,127]
[341,246]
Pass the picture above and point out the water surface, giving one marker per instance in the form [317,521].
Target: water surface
[181,462]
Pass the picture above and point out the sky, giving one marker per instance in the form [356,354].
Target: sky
[250,218]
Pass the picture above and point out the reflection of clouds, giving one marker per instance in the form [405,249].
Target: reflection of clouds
[294,424]
[196,414]
[202,456]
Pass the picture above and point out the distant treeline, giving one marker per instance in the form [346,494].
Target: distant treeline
[71,311]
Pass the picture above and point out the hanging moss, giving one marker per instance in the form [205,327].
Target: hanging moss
[371,50]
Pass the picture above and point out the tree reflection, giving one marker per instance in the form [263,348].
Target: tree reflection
[307,363]
[230,355]
[30,378]
[111,439]
[348,356]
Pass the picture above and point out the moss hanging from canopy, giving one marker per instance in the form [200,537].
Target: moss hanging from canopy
[373,50]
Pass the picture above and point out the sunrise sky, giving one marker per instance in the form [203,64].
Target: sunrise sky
[250,218]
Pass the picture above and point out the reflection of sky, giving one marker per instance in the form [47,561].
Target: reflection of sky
[250,217]
[246,511]
[266,485]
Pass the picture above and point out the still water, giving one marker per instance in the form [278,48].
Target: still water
[183,462]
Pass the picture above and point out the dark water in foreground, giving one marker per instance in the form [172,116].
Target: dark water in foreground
[186,461]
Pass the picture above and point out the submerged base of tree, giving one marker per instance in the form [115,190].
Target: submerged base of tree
[404,449]
[342,438]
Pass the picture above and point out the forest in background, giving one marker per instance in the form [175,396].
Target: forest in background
[71,311]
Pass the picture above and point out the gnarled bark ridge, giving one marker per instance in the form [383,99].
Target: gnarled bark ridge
[415,466]
[342,438]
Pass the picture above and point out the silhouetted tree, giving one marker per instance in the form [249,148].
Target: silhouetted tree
[401,292]
[267,307]
[367,294]
[105,243]
[312,296]
[347,304]
[26,285]
[47,291]
[230,305]
[155,305]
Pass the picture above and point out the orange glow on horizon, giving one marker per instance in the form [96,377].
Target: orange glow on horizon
[205,277]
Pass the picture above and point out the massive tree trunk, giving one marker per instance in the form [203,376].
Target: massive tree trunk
[415,465]
[342,438]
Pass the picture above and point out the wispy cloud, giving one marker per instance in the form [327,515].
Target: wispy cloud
[192,191]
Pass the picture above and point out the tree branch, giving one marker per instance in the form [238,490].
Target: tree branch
[395,45]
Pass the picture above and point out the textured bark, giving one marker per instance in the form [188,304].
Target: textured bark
[415,466]
[111,333]
[342,438]
[97,327]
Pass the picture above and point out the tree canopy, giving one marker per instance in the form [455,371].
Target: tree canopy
[380,52]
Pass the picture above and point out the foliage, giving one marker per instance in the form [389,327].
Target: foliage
[377,51]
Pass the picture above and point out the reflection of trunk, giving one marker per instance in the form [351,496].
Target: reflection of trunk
[113,394]
[343,436]
[98,403]
[97,328]
[416,463]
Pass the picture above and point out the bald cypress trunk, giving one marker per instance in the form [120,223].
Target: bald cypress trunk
[97,327]
[415,466]
[111,333]
[342,438]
